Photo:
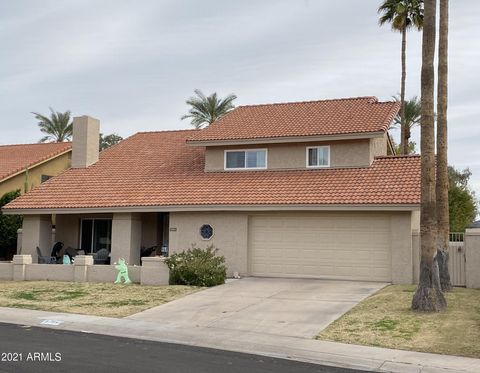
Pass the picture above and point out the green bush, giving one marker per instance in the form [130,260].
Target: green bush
[9,224]
[197,267]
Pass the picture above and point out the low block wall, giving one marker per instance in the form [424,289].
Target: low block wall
[154,272]
[48,272]
[6,271]
[105,273]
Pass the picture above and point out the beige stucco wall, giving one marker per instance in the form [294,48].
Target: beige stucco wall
[378,147]
[6,271]
[230,235]
[108,273]
[352,153]
[472,258]
[416,255]
[153,272]
[36,231]
[51,168]
[85,148]
[126,237]
[401,244]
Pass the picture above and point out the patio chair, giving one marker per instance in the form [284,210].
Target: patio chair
[42,259]
[102,256]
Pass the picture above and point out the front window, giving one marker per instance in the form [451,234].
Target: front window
[245,159]
[96,234]
[318,156]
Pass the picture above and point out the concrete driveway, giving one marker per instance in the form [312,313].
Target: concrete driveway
[287,307]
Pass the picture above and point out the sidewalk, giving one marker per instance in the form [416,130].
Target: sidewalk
[313,351]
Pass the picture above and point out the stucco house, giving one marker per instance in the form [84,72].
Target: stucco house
[28,165]
[303,189]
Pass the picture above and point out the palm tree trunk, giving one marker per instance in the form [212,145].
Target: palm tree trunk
[403,129]
[442,146]
[428,296]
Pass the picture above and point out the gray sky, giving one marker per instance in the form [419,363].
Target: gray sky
[132,64]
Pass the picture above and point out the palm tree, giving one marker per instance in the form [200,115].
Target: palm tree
[441,187]
[207,109]
[402,15]
[58,127]
[413,111]
[428,296]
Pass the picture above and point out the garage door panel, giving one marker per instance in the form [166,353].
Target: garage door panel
[344,246]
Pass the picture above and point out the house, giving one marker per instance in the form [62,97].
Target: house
[26,166]
[303,189]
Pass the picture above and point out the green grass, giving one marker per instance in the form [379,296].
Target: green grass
[87,298]
[386,320]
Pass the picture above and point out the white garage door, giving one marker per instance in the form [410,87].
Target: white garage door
[338,246]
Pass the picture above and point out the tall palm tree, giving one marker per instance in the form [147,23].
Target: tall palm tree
[413,111]
[58,128]
[442,161]
[428,296]
[207,109]
[402,15]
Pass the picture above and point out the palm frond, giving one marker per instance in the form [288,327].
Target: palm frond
[204,110]
[401,14]
[58,127]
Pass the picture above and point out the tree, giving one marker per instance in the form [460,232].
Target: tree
[207,109]
[58,128]
[462,203]
[413,111]
[428,296]
[441,187]
[402,15]
[109,140]
[9,224]
[412,147]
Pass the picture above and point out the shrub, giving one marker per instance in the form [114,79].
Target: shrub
[197,267]
[9,224]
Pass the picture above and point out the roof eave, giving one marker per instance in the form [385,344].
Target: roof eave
[193,208]
[287,139]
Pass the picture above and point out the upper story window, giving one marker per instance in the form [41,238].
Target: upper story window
[318,156]
[245,159]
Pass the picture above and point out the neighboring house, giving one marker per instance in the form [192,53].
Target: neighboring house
[29,165]
[300,189]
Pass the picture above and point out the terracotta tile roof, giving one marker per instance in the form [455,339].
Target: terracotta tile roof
[160,169]
[311,118]
[15,158]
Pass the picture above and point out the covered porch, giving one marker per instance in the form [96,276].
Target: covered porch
[123,235]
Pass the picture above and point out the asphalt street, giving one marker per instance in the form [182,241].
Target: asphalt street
[33,349]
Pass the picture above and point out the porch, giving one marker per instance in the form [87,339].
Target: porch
[121,235]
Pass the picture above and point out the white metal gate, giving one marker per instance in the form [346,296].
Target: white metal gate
[456,262]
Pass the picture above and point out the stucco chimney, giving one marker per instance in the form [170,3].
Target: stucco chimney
[85,149]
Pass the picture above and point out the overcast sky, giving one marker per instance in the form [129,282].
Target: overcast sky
[132,64]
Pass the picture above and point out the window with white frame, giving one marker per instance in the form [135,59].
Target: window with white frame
[318,156]
[245,159]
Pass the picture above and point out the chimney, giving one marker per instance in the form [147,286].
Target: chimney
[85,148]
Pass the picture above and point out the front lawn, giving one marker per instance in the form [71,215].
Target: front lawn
[112,300]
[385,320]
